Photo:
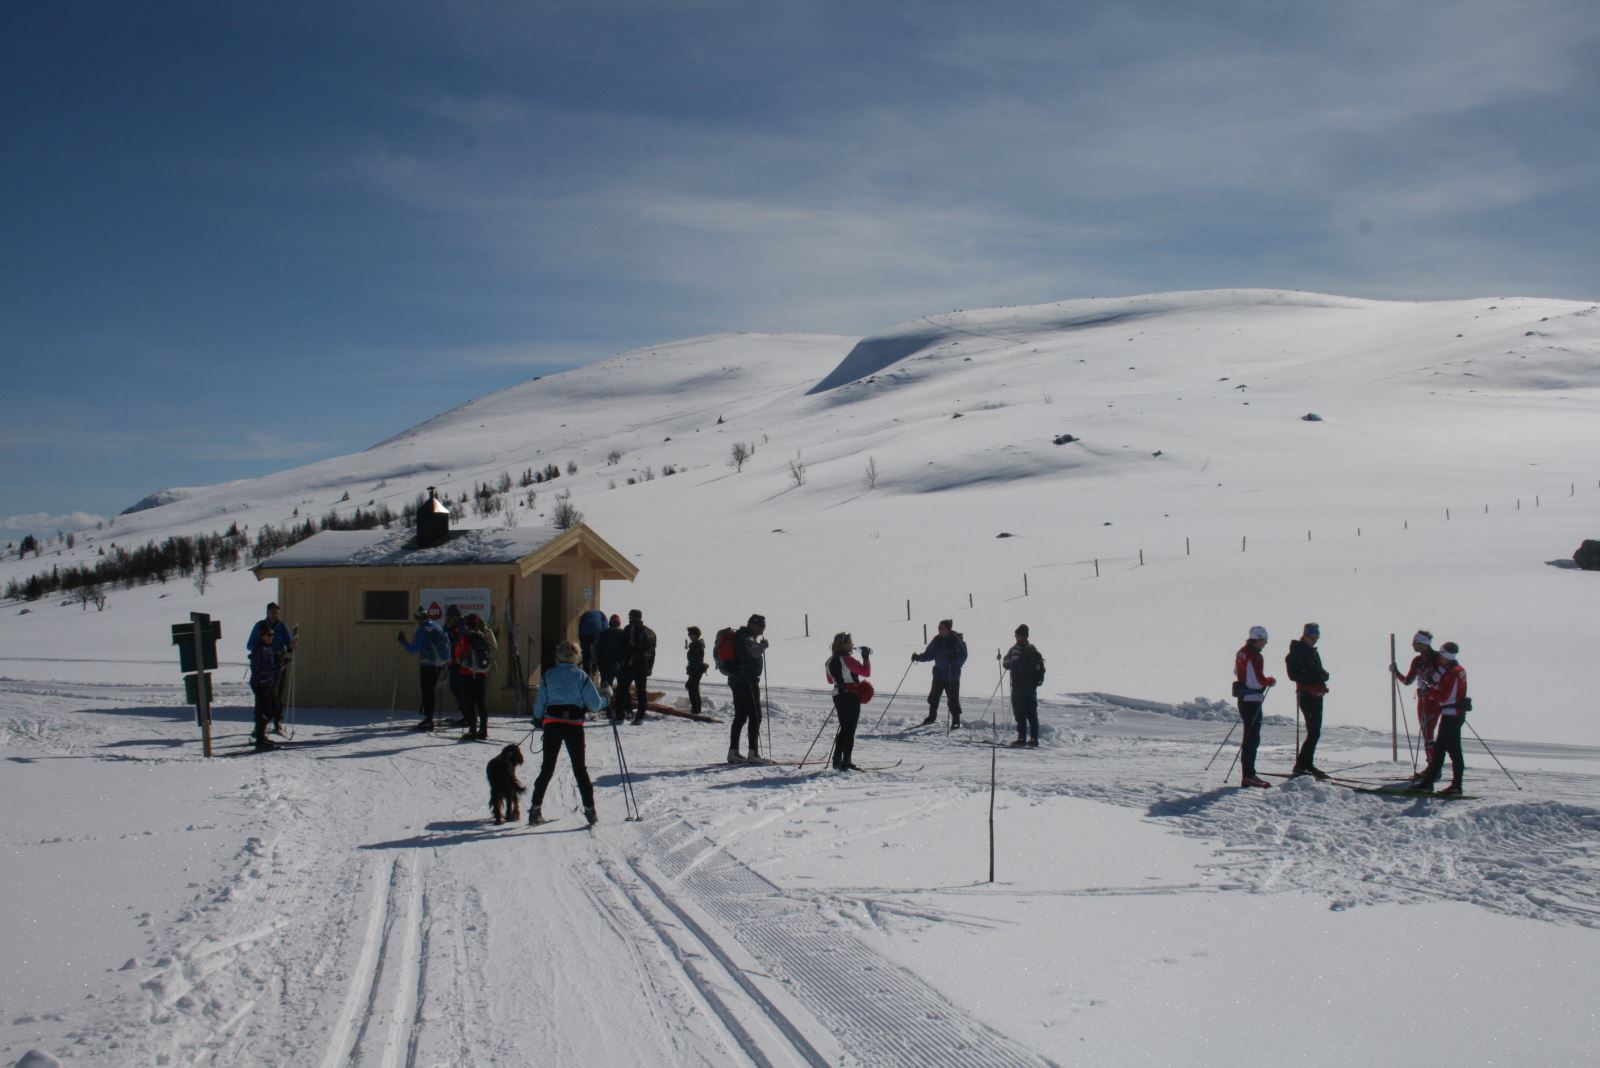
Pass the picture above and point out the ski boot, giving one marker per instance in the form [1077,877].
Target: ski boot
[931,719]
[735,757]
[1453,790]
[1251,780]
[535,816]
[590,815]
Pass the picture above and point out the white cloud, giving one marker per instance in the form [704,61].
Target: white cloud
[45,523]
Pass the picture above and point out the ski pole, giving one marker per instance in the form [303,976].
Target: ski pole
[394,694]
[766,700]
[1411,746]
[1486,749]
[892,696]
[1218,753]
[825,721]
[630,804]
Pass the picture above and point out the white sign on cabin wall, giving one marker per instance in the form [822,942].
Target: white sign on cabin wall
[438,601]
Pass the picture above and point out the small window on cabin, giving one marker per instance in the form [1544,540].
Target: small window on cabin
[385,606]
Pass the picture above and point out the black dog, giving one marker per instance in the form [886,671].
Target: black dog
[504,788]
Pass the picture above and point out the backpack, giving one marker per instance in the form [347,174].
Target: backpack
[480,655]
[725,650]
[1036,665]
[644,652]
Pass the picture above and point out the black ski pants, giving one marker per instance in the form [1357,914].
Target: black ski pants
[693,686]
[746,711]
[848,707]
[632,687]
[586,644]
[1025,710]
[430,690]
[1311,712]
[1447,744]
[475,701]
[557,735]
[1250,713]
[267,708]
[952,687]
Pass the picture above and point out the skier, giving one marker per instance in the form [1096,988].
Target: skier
[948,651]
[694,667]
[1424,666]
[1026,666]
[1450,697]
[455,631]
[1304,667]
[474,654]
[590,626]
[566,696]
[744,679]
[264,684]
[609,649]
[282,648]
[431,646]
[845,672]
[638,660]
[1250,685]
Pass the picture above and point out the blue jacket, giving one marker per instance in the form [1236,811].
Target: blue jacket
[948,652]
[591,623]
[430,645]
[281,638]
[565,684]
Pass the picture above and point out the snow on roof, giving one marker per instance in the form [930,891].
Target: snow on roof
[397,548]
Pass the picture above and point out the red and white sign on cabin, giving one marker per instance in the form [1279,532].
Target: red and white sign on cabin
[438,601]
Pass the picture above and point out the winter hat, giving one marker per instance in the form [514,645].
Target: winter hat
[453,612]
[1313,631]
[1022,630]
[948,623]
[420,613]
[1448,651]
[757,620]
[1423,637]
[1258,632]
[616,620]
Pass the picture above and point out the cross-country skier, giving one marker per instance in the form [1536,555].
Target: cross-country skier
[1026,666]
[638,661]
[694,667]
[609,650]
[744,679]
[590,626]
[1424,666]
[948,651]
[566,695]
[1250,685]
[282,648]
[474,655]
[1450,695]
[845,672]
[1304,667]
[431,646]
[264,685]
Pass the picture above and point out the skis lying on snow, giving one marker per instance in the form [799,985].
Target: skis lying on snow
[669,710]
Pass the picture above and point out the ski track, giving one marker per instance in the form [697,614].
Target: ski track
[339,934]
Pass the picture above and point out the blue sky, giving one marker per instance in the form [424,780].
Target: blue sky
[240,237]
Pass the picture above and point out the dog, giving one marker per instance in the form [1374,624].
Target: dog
[504,789]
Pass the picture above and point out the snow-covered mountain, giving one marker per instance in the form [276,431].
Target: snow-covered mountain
[1235,457]
[1136,479]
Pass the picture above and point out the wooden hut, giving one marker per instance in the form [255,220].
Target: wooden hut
[348,592]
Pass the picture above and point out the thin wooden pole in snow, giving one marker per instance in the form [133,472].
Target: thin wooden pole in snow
[1394,708]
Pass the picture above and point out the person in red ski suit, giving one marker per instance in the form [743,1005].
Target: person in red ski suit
[1450,694]
[1424,666]
[1250,685]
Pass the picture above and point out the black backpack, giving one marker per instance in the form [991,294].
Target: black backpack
[480,657]
[1036,665]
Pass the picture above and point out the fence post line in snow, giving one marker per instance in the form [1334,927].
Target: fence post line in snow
[1244,543]
[1097,567]
[1141,557]
[969,600]
[924,634]
[908,610]
[808,624]
[1024,584]
[1186,545]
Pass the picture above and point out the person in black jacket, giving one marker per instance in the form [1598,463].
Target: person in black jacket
[744,679]
[1026,665]
[694,668]
[609,650]
[638,661]
[1304,665]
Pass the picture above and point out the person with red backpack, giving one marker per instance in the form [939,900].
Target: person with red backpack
[1250,685]
[1450,695]
[1424,666]
[741,656]
[846,673]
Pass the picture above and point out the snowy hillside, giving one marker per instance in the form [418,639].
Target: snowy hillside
[1191,453]
[345,901]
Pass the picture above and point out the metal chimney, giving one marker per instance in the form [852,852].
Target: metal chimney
[433,522]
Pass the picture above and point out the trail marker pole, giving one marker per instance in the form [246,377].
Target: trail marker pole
[1394,706]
